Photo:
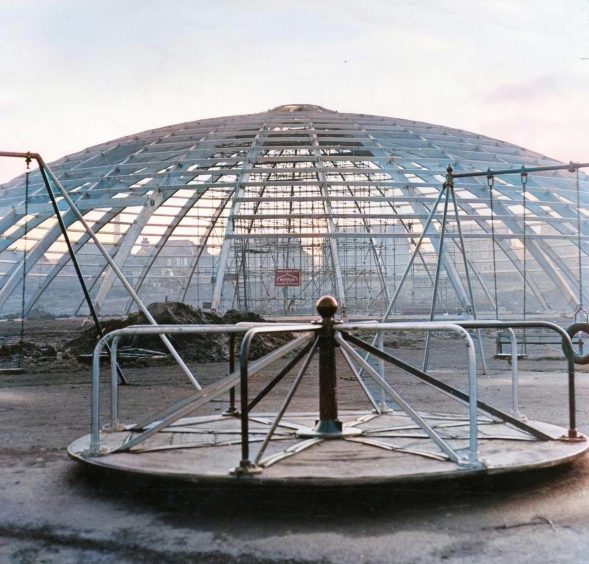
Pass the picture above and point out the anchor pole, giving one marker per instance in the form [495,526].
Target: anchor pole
[328,418]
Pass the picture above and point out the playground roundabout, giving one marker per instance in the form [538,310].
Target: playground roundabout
[391,442]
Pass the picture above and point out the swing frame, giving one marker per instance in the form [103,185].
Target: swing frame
[523,172]
[448,191]
[47,176]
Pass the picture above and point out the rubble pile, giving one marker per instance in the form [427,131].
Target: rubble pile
[28,349]
[194,347]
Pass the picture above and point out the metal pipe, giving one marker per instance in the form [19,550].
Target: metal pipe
[447,188]
[472,398]
[514,373]
[452,392]
[72,254]
[232,409]
[572,432]
[411,259]
[245,465]
[254,368]
[413,255]
[116,269]
[146,330]
[114,385]
[205,396]
[287,399]
[567,346]
[95,400]
[496,324]
[423,424]
[571,167]
[467,273]
[380,345]
[377,408]
[278,378]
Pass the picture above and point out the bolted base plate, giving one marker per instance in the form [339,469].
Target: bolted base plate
[329,429]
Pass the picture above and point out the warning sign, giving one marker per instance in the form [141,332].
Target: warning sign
[287,277]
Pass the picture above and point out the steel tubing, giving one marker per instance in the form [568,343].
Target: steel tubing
[471,356]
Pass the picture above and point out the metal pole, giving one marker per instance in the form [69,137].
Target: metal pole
[472,399]
[571,167]
[115,268]
[95,401]
[114,388]
[381,370]
[572,432]
[410,263]
[514,373]
[287,400]
[424,376]
[467,272]
[413,255]
[425,426]
[231,410]
[74,260]
[356,373]
[328,423]
[437,278]
[278,378]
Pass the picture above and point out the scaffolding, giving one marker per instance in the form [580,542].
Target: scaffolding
[264,212]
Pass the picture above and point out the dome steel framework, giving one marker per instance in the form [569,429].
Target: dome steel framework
[263,212]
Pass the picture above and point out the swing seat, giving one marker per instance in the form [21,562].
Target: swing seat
[11,371]
[539,338]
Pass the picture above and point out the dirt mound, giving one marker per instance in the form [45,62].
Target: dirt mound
[199,348]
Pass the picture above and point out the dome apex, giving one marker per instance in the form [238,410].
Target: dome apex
[290,108]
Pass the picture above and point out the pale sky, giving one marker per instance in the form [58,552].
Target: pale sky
[77,73]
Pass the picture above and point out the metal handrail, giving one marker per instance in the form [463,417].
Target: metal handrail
[471,367]
[567,347]
[114,337]
[246,465]
[134,330]
[341,338]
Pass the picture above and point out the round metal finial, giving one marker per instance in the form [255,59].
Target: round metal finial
[326,306]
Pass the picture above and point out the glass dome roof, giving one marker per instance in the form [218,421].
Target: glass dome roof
[266,212]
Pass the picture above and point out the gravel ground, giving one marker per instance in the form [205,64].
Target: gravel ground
[52,510]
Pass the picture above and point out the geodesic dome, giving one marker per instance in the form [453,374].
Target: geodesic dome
[266,212]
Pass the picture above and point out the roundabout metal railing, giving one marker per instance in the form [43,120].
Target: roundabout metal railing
[324,337]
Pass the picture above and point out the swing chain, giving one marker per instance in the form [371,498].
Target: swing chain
[491,184]
[524,182]
[579,254]
[28,160]
[580,310]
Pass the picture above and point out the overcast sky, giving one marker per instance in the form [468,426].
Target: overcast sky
[80,72]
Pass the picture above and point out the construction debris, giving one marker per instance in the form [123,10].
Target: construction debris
[194,347]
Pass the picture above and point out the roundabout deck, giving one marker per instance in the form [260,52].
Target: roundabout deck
[390,449]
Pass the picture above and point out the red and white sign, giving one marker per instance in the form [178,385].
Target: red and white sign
[287,277]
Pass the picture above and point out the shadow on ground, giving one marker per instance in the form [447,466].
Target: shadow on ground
[311,508]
